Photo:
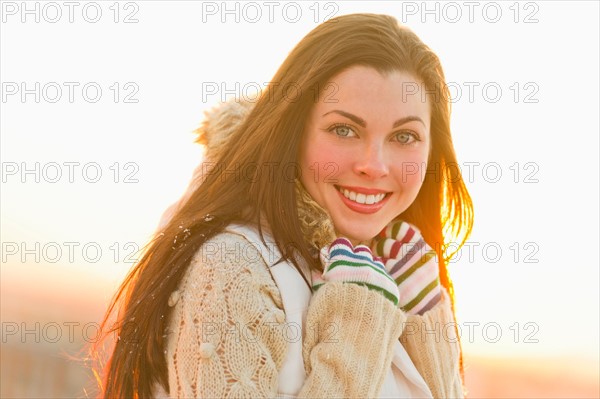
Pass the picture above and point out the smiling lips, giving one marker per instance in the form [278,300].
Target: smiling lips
[363,200]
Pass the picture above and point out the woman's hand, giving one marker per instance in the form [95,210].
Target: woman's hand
[343,262]
[411,263]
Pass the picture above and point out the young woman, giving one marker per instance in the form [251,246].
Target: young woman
[307,259]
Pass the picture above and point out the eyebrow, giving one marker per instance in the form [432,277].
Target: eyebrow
[361,122]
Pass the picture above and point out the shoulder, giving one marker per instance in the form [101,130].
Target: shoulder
[227,262]
[231,249]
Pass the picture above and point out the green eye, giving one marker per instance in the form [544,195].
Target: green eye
[342,130]
[406,138]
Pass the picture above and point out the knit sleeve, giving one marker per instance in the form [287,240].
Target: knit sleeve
[433,345]
[226,336]
[348,344]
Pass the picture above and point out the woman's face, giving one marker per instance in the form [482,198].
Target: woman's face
[364,152]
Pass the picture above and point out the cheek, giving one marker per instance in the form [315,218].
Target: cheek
[321,164]
[410,174]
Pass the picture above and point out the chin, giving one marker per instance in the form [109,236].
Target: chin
[364,236]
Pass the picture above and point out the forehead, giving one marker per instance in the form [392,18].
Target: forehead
[366,91]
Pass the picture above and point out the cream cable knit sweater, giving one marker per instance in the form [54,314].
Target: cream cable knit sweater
[227,335]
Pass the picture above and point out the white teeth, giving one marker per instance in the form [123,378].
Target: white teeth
[362,198]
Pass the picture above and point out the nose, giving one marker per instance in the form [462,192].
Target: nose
[371,162]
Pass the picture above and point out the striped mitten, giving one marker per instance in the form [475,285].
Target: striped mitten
[412,263]
[343,262]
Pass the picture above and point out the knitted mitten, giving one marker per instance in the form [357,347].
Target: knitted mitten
[343,262]
[412,263]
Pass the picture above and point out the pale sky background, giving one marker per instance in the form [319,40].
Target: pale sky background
[544,218]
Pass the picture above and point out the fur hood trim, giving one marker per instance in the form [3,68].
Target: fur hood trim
[219,124]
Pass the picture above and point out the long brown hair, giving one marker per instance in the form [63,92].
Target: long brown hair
[268,139]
